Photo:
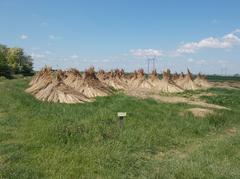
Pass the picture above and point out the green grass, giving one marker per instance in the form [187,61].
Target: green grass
[45,140]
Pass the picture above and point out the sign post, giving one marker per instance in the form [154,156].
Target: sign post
[121,118]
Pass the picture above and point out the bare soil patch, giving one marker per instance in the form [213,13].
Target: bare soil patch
[178,99]
[200,112]
[227,84]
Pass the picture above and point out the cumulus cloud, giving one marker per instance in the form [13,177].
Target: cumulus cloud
[23,37]
[225,42]
[146,53]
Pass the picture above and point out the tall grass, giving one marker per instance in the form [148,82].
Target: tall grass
[46,140]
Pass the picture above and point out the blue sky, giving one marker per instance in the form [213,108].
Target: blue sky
[201,35]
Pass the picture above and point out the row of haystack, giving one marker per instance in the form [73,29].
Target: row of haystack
[73,87]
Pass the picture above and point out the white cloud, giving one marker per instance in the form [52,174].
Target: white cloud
[74,56]
[47,52]
[190,60]
[227,41]
[37,55]
[146,53]
[201,62]
[23,37]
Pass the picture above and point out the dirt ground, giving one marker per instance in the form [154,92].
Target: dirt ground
[201,108]
[200,112]
[227,84]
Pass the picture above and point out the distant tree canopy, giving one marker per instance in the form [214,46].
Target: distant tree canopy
[14,61]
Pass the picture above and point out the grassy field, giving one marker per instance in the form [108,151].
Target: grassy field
[44,140]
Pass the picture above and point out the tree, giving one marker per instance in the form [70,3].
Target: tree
[27,63]
[14,58]
[5,70]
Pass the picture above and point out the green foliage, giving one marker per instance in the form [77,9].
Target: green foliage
[46,140]
[13,60]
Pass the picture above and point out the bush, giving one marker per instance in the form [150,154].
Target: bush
[5,70]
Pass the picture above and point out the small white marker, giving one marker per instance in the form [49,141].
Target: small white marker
[121,116]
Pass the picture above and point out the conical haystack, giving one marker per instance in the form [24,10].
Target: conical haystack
[202,82]
[166,85]
[186,82]
[91,86]
[138,81]
[175,77]
[73,78]
[58,91]
[38,76]
[40,81]
[102,75]
[116,79]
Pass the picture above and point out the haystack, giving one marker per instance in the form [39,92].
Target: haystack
[138,81]
[116,79]
[45,87]
[90,85]
[175,77]
[38,76]
[73,78]
[58,91]
[186,82]
[166,84]
[202,82]
[40,81]
[101,75]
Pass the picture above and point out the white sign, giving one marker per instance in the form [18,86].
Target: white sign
[121,114]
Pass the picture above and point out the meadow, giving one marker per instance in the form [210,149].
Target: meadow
[48,140]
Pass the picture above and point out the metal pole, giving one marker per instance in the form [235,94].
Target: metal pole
[148,65]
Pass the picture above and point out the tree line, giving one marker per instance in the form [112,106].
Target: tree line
[14,61]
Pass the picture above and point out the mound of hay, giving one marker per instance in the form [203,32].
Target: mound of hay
[91,86]
[55,90]
[186,82]
[38,76]
[71,76]
[175,77]
[138,81]
[40,81]
[101,75]
[202,82]
[58,91]
[165,85]
[116,79]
